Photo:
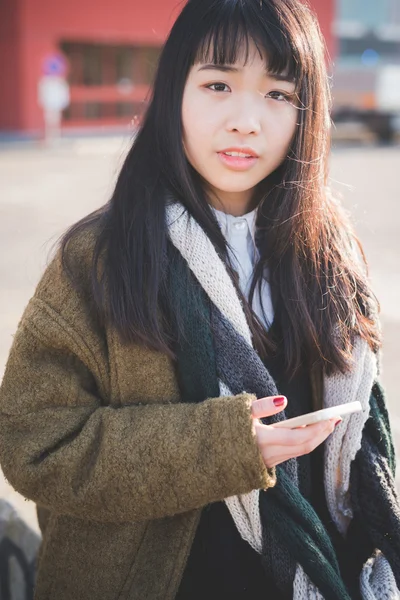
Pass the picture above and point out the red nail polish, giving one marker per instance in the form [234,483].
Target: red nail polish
[338,421]
[279,400]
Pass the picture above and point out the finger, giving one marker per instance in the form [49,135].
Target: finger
[283,453]
[314,441]
[274,454]
[296,437]
[267,407]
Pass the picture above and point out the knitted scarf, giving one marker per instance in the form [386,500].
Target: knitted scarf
[216,357]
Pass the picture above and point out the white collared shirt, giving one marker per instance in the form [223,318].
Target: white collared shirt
[239,232]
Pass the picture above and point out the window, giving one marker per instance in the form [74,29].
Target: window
[101,64]
[121,72]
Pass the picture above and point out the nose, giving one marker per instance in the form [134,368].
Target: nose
[244,121]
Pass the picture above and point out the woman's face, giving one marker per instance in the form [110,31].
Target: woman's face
[233,109]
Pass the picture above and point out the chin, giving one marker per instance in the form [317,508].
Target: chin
[235,189]
[233,182]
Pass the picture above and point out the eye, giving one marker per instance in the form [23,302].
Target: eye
[279,96]
[218,87]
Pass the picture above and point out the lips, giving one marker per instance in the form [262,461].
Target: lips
[240,151]
[238,159]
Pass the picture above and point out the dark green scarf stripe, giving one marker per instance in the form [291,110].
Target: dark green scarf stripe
[378,427]
[196,366]
[292,518]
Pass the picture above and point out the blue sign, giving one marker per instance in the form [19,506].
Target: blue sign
[55,64]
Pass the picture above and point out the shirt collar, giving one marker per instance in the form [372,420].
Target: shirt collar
[227,221]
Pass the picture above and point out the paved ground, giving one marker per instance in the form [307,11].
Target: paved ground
[43,191]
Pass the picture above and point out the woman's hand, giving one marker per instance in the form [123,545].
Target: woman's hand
[277,444]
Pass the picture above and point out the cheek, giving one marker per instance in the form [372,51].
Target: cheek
[292,122]
[197,130]
[190,124]
[285,129]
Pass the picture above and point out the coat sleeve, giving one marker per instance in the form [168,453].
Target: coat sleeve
[63,446]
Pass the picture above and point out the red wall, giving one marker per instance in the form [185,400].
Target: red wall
[31,29]
[10,65]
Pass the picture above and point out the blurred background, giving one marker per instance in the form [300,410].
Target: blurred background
[74,77]
[105,53]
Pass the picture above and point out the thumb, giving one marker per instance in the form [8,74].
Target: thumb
[266,407]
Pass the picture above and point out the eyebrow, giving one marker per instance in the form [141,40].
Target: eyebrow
[231,69]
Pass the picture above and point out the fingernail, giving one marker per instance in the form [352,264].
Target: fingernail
[338,421]
[279,400]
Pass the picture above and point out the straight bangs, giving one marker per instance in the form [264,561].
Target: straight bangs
[226,33]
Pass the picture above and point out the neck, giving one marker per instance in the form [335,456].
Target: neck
[236,204]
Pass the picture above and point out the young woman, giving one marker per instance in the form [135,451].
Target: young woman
[218,292]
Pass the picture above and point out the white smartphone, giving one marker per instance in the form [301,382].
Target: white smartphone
[320,415]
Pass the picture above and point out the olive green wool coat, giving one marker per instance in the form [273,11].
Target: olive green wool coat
[94,432]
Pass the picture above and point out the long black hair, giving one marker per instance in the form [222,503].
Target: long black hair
[319,287]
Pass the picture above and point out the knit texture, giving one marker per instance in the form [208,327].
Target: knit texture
[283,510]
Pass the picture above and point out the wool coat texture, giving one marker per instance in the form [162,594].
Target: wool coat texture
[94,432]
